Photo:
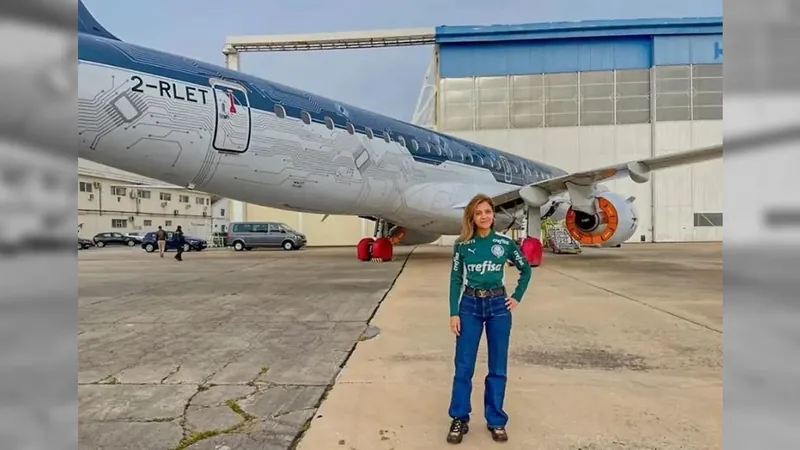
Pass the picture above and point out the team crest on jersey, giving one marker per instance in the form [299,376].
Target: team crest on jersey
[498,250]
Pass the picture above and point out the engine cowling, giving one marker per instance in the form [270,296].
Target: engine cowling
[614,222]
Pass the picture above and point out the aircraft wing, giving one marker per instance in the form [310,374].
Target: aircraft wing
[638,171]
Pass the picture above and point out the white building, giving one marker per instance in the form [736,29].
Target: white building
[582,95]
[113,200]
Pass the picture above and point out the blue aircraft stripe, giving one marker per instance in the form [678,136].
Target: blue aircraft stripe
[426,146]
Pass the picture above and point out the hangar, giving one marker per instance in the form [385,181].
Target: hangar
[575,95]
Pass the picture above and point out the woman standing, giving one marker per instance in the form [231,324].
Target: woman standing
[479,258]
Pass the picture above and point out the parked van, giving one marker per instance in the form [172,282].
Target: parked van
[250,235]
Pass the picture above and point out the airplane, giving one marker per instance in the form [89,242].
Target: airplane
[228,133]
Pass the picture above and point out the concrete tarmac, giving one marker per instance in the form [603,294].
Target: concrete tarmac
[222,351]
[611,349]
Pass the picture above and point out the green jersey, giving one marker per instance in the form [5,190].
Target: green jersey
[480,263]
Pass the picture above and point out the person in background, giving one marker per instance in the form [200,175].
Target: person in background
[179,239]
[161,239]
[478,268]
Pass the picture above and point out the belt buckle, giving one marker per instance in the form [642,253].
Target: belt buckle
[482,293]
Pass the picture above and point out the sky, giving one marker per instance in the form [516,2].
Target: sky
[386,80]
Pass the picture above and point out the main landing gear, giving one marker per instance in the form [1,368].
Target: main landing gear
[531,245]
[380,248]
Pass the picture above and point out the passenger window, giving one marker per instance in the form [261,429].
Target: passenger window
[370,134]
[260,228]
[305,117]
[402,141]
[414,145]
[350,128]
[280,112]
[329,123]
[242,228]
[386,137]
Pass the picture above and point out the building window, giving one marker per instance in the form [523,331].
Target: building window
[147,222]
[143,194]
[183,198]
[561,99]
[117,190]
[707,92]
[673,93]
[200,201]
[165,196]
[527,101]
[492,102]
[457,104]
[119,223]
[85,186]
[167,223]
[708,219]
[597,98]
[632,92]
[222,212]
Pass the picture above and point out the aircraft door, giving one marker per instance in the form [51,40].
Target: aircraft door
[507,170]
[233,119]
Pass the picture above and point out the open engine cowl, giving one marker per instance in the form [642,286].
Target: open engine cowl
[614,223]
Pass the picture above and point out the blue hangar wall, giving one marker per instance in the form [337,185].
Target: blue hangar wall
[591,57]
[584,94]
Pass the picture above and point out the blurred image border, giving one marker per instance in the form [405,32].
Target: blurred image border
[761,312]
[38,304]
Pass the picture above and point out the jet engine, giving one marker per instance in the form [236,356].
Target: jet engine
[614,221]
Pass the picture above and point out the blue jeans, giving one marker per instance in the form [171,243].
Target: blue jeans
[475,313]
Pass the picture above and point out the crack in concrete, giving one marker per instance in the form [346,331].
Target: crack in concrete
[139,420]
[193,438]
[284,413]
[173,372]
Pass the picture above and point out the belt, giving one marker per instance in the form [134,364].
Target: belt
[482,293]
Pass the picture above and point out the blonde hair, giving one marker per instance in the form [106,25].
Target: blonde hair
[467,221]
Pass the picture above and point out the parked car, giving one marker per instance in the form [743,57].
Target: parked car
[84,244]
[249,235]
[149,243]
[114,238]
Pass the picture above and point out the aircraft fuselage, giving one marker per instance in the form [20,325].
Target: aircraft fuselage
[228,133]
